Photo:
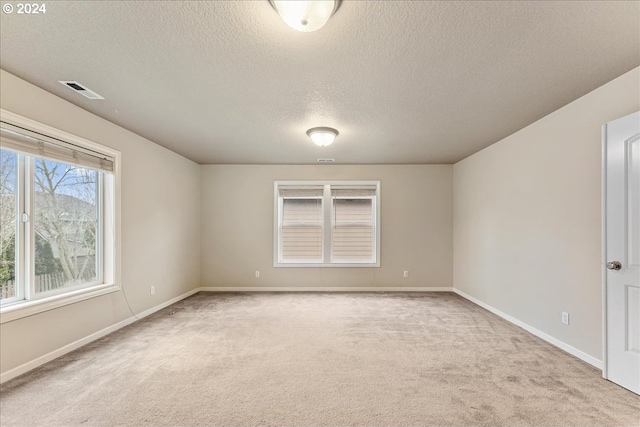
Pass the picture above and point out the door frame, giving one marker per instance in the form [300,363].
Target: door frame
[603,266]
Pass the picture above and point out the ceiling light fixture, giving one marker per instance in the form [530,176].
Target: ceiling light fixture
[305,16]
[322,136]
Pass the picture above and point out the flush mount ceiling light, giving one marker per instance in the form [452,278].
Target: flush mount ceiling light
[322,136]
[305,16]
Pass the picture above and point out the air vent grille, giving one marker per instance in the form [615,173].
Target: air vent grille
[82,90]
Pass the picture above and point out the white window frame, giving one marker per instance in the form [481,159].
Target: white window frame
[327,207]
[108,249]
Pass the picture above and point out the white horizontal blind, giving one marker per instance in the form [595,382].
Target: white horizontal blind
[301,226]
[345,193]
[353,224]
[22,140]
[299,192]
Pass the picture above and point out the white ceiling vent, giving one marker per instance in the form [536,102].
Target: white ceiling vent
[326,160]
[81,89]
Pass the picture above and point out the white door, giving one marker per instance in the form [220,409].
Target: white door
[622,251]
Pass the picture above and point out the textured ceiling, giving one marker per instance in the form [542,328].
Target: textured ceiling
[403,82]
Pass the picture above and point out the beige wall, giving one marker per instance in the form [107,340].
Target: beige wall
[237,226]
[523,216]
[527,219]
[160,228]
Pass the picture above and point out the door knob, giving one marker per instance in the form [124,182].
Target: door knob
[614,265]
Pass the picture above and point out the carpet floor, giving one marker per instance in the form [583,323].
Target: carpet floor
[318,359]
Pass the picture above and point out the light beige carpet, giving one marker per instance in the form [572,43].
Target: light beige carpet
[318,359]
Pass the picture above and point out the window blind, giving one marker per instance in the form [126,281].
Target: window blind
[302,219]
[327,223]
[341,192]
[352,234]
[315,192]
[17,139]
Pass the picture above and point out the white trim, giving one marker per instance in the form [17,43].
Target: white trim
[277,212]
[323,289]
[167,303]
[35,306]
[548,338]
[112,259]
[327,244]
[327,205]
[24,122]
[26,367]
[12,373]
[320,264]
[604,253]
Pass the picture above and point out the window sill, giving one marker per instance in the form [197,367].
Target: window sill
[29,308]
[327,265]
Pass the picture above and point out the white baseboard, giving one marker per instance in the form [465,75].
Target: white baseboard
[167,303]
[12,373]
[323,289]
[26,367]
[548,338]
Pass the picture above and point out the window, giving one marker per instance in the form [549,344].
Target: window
[327,224]
[8,203]
[57,213]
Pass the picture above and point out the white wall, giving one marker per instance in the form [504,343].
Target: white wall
[160,228]
[527,220]
[238,220]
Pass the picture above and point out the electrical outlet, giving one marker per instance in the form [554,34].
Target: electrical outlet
[257,273]
[406,273]
[565,317]
[153,290]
